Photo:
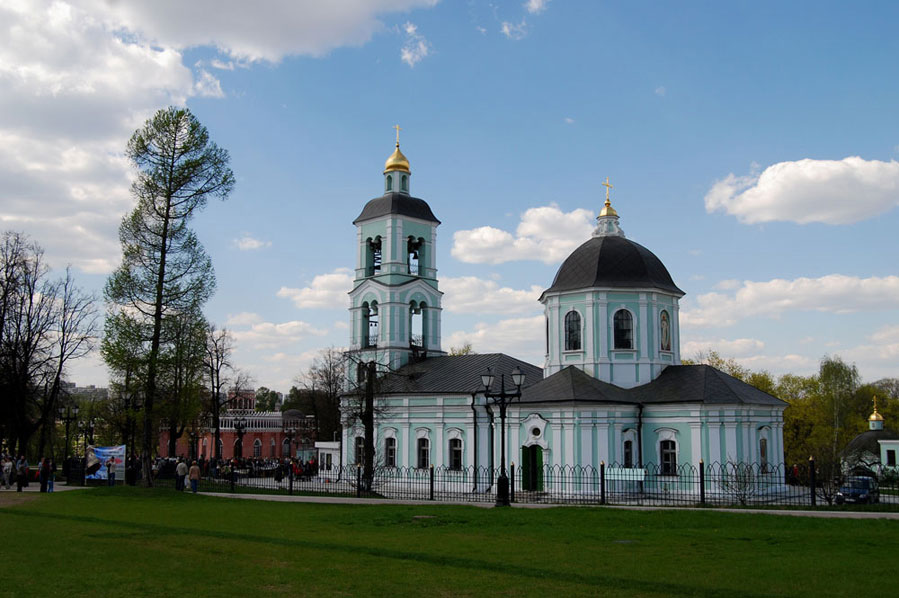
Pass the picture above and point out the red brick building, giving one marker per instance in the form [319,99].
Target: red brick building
[266,433]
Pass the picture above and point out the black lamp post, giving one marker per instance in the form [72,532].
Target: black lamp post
[290,432]
[240,428]
[502,399]
[87,432]
[192,449]
[67,415]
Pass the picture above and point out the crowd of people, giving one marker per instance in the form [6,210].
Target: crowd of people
[18,471]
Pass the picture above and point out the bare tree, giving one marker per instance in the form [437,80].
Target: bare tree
[44,324]
[219,346]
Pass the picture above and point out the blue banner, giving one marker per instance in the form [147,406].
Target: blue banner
[104,454]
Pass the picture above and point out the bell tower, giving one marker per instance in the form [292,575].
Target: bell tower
[395,303]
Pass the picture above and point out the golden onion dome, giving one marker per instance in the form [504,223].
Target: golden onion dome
[607,210]
[397,161]
[875,417]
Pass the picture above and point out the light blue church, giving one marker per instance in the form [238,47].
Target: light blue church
[612,388]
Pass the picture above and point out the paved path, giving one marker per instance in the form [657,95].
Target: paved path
[36,487]
[334,500]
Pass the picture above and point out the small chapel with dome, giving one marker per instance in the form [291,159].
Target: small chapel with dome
[612,388]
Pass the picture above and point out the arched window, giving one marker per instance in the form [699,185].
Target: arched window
[455,453]
[221,448]
[257,448]
[373,256]
[416,324]
[763,454]
[389,182]
[572,331]
[390,452]
[547,335]
[370,324]
[405,183]
[664,331]
[272,448]
[360,450]
[628,453]
[668,454]
[285,448]
[624,329]
[424,453]
[414,251]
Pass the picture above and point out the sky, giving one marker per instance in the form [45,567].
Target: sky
[752,147]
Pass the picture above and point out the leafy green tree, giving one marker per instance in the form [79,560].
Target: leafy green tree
[165,270]
[266,399]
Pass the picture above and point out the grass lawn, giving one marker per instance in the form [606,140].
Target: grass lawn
[131,541]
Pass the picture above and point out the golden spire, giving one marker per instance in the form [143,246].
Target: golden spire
[607,209]
[875,417]
[397,161]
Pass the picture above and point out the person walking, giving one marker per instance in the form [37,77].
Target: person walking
[194,475]
[44,473]
[51,480]
[21,473]
[6,470]
[110,471]
[180,475]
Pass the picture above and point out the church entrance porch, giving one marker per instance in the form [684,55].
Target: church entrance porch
[532,468]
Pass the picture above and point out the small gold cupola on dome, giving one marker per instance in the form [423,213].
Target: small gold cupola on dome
[607,221]
[875,420]
[396,169]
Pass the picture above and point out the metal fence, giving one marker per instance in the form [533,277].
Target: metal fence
[728,484]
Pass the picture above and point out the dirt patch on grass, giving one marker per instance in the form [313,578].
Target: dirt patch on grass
[10,498]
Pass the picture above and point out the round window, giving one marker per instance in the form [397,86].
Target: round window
[535,431]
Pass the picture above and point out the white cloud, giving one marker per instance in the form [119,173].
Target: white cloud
[472,295]
[416,47]
[244,32]
[660,91]
[77,77]
[514,31]
[877,358]
[208,86]
[244,318]
[827,191]
[738,347]
[248,243]
[569,120]
[728,285]
[546,234]
[834,293]
[519,337]
[535,7]
[269,335]
[481,30]
[325,290]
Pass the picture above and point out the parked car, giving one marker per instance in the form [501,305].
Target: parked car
[858,489]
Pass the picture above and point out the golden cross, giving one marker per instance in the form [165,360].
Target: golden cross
[607,186]
[875,403]
[397,127]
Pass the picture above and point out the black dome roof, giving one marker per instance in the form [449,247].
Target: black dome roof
[397,203]
[613,261]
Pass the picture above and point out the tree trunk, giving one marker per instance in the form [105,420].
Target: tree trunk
[368,422]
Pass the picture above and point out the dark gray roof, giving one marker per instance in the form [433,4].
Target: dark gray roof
[676,384]
[573,385]
[456,374]
[701,384]
[614,262]
[867,442]
[397,203]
